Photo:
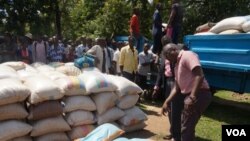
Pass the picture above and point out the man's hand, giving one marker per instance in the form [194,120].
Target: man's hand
[155,94]
[165,108]
[97,61]
[189,103]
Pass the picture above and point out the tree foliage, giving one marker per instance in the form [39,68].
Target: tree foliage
[199,12]
[107,17]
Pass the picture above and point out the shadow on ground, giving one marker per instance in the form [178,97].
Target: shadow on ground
[227,114]
[140,134]
[241,105]
[201,139]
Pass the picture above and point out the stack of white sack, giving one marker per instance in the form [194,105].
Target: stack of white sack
[78,107]
[45,108]
[134,118]
[12,106]
[64,105]
[102,92]
[232,25]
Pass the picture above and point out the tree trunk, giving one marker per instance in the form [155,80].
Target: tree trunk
[58,19]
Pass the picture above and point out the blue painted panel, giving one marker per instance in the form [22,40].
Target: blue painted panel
[224,58]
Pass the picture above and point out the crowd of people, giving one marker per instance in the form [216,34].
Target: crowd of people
[179,71]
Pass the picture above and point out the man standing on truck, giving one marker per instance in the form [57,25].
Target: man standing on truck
[175,21]
[135,27]
[190,82]
[157,29]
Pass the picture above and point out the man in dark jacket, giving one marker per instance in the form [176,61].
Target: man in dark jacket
[157,29]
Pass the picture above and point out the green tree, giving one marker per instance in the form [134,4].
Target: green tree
[113,19]
[15,14]
[203,11]
[82,17]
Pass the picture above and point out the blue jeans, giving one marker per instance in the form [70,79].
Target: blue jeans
[139,43]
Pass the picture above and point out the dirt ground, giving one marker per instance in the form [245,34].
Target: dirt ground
[157,126]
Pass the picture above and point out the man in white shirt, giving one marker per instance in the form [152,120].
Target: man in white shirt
[100,51]
[81,48]
[146,58]
[39,51]
[116,58]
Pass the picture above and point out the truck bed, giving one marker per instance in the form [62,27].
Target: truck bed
[225,59]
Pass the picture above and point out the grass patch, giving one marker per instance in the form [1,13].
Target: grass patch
[209,126]
[227,95]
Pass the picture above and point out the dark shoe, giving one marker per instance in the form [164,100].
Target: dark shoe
[167,137]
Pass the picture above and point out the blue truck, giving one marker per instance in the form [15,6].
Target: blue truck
[225,60]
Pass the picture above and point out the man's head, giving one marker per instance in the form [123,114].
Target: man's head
[78,41]
[131,41]
[83,40]
[55,40]
[159,6]
[165,40]
[119,45]
[146,48]
[101,42]
[28,36]
[7,37]
[171,52]
[89,42]
[136,11]
[45,37]
[39,38]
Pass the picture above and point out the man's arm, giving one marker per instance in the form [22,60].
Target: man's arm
[136,58]
[199,77]
[171,18]
[160,75]
[121,60]
[175,90]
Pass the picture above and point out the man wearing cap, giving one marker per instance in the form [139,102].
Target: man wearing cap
[8,49]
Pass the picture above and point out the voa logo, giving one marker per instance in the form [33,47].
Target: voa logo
[236,132]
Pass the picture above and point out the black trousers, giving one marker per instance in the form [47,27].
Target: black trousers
[129,76]
[157,46]
[141,81]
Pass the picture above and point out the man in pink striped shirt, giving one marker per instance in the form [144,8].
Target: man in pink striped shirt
[190,81]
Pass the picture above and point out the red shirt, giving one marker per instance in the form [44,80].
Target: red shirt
[134,25]
[25,53]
